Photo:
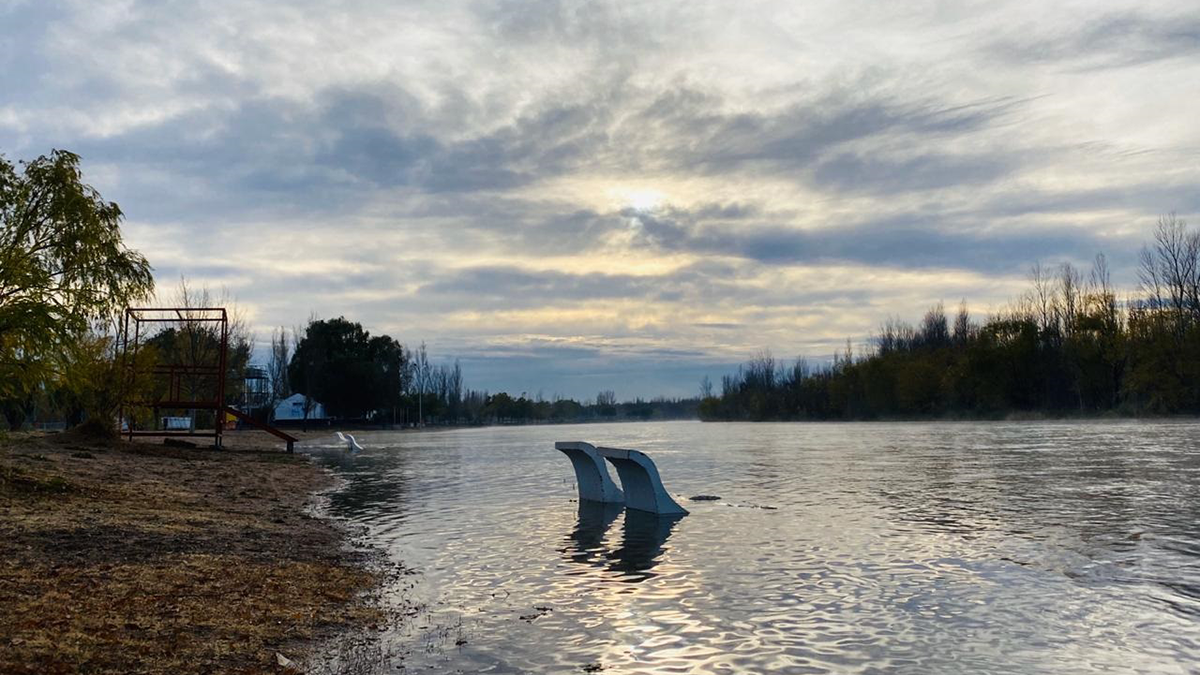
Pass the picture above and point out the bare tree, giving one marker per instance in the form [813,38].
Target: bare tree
[277,367]
[306,365]
[1169,271]
[761,373]
[421,378]
[196,342]
[934,332]
[1069,300]
[454,392]
[1042,296]
[1101,296]
[1100,279]
[962,325]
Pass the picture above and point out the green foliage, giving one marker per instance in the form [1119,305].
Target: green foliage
[90,384]
[345,368]
[63,269]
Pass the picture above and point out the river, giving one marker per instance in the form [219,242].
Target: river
[1031,547]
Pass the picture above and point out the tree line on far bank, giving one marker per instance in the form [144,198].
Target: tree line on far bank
[356,376]
[1068,346]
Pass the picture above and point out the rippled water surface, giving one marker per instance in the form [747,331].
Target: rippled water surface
[921,548]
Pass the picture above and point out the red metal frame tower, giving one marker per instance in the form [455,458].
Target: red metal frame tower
[172,392]
[136,328]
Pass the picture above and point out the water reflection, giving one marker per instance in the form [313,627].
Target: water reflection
[643,539]
[376,485]
[587,539]
[642,543]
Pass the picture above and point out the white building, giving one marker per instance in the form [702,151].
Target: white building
[291,409]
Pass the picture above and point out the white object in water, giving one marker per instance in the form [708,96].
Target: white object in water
[591,473]
[351,444]
[644,490]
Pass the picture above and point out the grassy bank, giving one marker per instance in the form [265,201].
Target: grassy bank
[140,558]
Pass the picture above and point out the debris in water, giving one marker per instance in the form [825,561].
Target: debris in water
[538,613]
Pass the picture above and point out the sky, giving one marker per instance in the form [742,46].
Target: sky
[570,197]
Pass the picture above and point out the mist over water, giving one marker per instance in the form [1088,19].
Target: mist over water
[941,547]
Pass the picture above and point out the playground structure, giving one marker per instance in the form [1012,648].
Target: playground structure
[190,376]
[641,487]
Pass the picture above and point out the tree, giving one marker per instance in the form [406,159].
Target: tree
[1169,271]
[454,380]
[63,267]
[962,325]
[1066,346]
[92,382]
[352,373]
[194,343]
[305,367]
[277,367]
[606,403]
[420,377]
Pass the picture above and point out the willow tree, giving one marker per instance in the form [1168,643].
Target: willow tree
[63,268]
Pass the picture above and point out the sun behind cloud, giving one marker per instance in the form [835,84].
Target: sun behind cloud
[639,199]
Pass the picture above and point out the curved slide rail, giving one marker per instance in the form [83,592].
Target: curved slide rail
[644,490]
[591,474]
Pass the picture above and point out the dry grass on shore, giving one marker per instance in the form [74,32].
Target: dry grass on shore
[118,558]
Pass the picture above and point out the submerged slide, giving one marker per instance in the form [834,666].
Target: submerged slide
[641,488]
[591,474]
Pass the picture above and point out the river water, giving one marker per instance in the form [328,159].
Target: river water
[835,548]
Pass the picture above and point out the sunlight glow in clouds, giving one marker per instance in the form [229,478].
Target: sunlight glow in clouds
[638,199]
[573,196]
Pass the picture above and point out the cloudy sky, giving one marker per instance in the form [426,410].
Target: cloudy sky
[574,196]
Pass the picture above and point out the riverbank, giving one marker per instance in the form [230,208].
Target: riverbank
[142,558]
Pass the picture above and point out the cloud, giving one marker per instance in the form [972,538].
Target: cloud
[1114,40]
[855,172]
[903,240]
[607,194]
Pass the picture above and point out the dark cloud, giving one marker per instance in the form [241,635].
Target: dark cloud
[1147,198]
[348,143]
[879,175]
[513,284]
[903,243]
[795,137]
[1115,40]
[932,239]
